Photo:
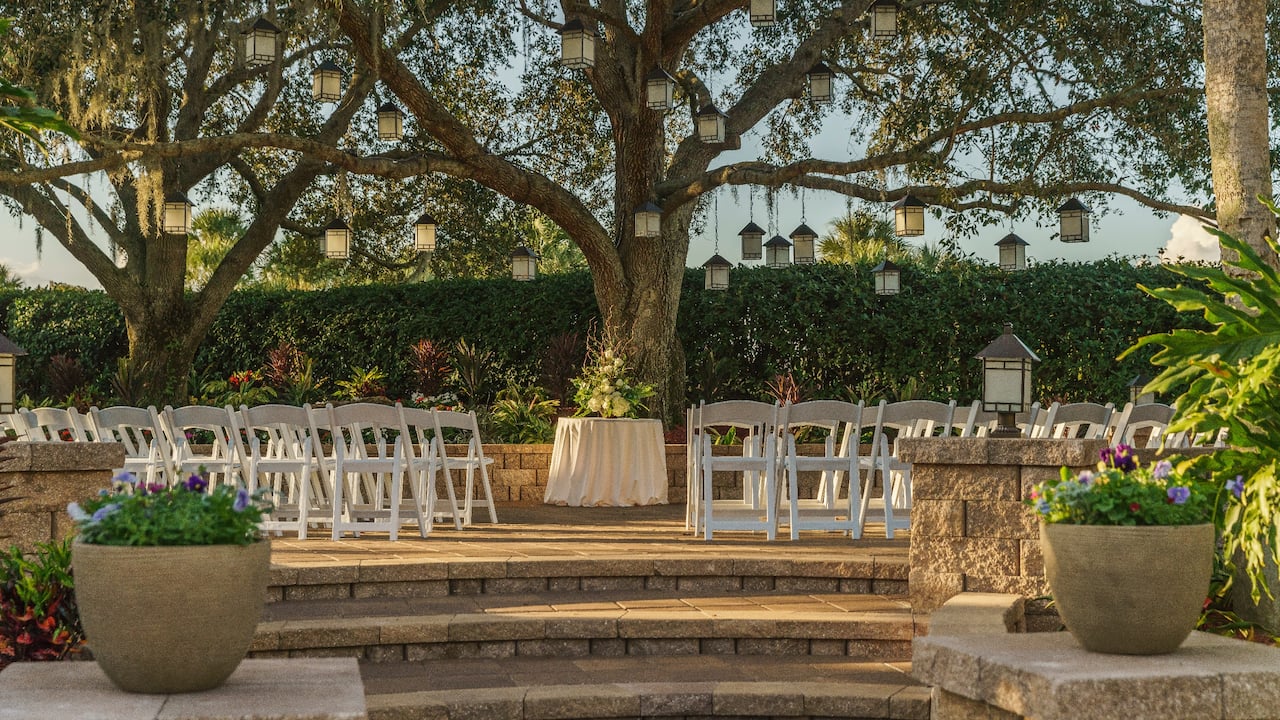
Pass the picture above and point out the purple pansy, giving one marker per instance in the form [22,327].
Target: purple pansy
[101,513]
[1162,470]
[1121,457]
[242,500]
[1236,486]
[196,483]
[1085,477]
[1179,494]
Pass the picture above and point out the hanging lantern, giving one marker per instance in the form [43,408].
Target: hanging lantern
[326,82]
[777,252]
[804,238]
[524,263]
[752,235]
[648,220]
[888,278]
[260,43]
[660,90]
[764,13]
[1006,380]
[819,77]
[9,352]
[337,240]
[1013,252]
[390,122]
[577,45]
[711,124]
[424,234]
[908,216]
[717,273]
[1073,218]
[884,19]
[177,214]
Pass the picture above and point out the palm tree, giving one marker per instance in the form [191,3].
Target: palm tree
[213,232]
[9,280]
[861,237]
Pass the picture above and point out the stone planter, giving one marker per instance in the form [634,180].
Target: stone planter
[1128,590]
[170,619]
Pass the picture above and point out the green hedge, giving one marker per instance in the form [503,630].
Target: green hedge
[822,323]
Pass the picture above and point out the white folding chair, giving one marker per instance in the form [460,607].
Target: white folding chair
[839,463]
[461,430]
[1075,420]
[278,456]
[138,431]
[757,509]
[923,418]
[368,489]
[202,437]
[48,424]
[1148,420]
[417,425]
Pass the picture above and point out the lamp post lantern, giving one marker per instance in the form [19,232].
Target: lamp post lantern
[1137,391]
[1013,252]
[9,351]
[260,42]
[1006,381]
[326,82]
[577,45]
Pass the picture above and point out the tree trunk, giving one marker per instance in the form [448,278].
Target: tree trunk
[1235,88]
[162,350]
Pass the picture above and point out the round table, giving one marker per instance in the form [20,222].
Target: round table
[607,462]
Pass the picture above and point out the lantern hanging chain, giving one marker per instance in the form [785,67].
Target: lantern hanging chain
[716,220]
[751,203]
[802,213]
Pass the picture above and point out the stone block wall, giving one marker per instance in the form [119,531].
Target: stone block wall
[38,479]
[970,531]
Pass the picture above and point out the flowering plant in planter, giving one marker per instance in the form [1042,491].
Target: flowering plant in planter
[134,512]
[1121,491]
[606,388]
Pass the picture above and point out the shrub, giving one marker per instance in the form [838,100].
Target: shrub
[523,416]
[38,616]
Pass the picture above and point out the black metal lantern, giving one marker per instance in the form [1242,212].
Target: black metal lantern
[1013,252]
[717,273]
[764,13]
[524,263]
[177,214]
[648,220]
[1137,391]
[660,90]
[884,19]
[1006,380]
[424,234]
[752,237]
[337,240]
[326,82]
[1073,220]
[888,278]
[819,77]
[711,124]
[804,238]
[390,122]
[577,45]
[777,252]
[9,352]
[908,216]
[260,43]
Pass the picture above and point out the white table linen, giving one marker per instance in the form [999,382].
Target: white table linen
[607,462]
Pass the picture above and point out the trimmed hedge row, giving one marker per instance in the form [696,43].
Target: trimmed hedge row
[822,323]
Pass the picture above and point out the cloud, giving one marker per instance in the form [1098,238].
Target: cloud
[1188,241]
[26,271]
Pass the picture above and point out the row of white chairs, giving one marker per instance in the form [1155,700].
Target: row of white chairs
[358,468]
[861,481]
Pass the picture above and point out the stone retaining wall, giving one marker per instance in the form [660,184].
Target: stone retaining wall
[38,479]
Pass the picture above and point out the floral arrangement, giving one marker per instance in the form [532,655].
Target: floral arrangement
[605,387]
[1124,492]
[134,512]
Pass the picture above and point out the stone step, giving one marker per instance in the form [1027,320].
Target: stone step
[520,688]
[382,577]
[583,624]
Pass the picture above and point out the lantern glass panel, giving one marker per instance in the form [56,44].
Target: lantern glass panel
[804,251]
[259,47]
[326,85]
[888,282]
[424,237]
[1006,385]
[763,13]
[577,49]
[660,93]
[8,384]
[1074,226]
[884,20]
[908,221]
[820,88]
[177,218]
[648,224]
[778,256]
[524,268]
[717,277]
[751,246]
[1013,257]
[390,125]
[337,243]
